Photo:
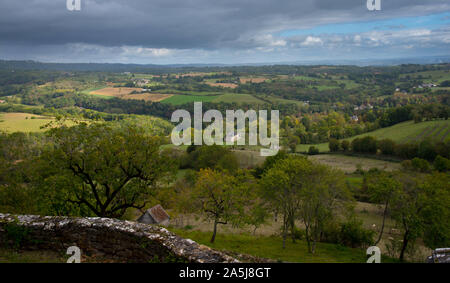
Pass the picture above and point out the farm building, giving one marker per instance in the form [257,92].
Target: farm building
[155,215]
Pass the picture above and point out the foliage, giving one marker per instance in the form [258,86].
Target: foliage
[223,198]
[313,150]
[300,189]
[105,169]
[334,145]
[441,164]
[214,157]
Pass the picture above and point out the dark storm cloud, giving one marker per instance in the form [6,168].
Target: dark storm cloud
[188,24]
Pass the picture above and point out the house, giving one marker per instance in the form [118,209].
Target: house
[355,118]
[155,215]
[231,138]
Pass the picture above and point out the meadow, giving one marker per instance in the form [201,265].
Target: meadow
[405,132]
[23,122]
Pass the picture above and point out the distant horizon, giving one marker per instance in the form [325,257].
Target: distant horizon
[165,32]
[367,62]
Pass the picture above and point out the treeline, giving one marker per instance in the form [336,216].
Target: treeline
[426,149]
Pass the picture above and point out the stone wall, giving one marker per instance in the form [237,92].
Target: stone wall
[121,241]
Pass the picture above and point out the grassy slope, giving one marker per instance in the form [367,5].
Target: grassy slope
[401,133]
[18,122]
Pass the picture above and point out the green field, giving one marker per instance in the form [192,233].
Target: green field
[25,122]
[22,122]
[401,133]
[183,99]
[179,99]
[238,98]
[437,76]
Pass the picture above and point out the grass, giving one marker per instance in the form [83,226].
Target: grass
[179,99]
[25,122]
[271,247]
[412,132]
[437,76]
[183,99]
[349,164]
[238,98]
[405,132]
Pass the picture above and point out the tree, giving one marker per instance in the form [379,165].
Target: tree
[387,146]
[293,142]
[333,145]
[322,197]
[345,145]
[223,198]
[107,170]
[281,186]
[313,150]
[382,188]
[436,211]
[300,189]
[441,164]
[214,157]
[406,208]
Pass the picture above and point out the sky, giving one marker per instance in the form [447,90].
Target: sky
[222,31]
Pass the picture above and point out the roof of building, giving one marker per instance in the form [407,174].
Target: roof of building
[158,214]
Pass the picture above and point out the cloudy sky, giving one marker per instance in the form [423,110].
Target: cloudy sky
[221,31]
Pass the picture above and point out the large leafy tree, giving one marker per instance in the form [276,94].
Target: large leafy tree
[421,210]
[382,188]
[223,198]
[104,169]
[300,189]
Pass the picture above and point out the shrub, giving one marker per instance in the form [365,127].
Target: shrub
[407,150]
[369,145]
[345,145]
[441,164]
[353,234]
[386,146]
[426,150]
[420,165]
[356,145]
[333,145]
[16,235]
[313,150]
[407,165]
